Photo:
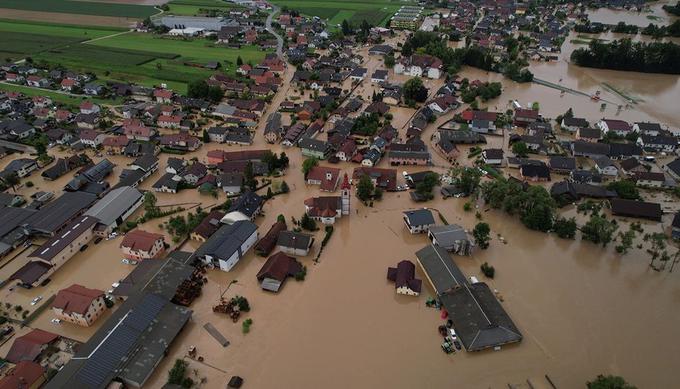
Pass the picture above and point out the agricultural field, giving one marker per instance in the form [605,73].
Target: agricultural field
[98,8]
[114,54]
[27,38]
[375,12]
[194,7]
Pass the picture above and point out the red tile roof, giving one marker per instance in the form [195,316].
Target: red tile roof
[328,176]
[76,298]
[140,240]
[24,375]
[29,346]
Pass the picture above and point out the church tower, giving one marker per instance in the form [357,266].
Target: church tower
[345,189]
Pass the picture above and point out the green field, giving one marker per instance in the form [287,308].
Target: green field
[376,12]
[144,59]
[81,7]
[28,38]
[55,96]
[194,7]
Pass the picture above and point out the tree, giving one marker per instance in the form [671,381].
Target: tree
[307,223]
[520,149]
[150,202]
[626,189]
[415,90]
[467,179]
[284,187]
[389,61]
[626,239]
[599,230]
[206,137]
[281,219]
[565,228]
[12,180]
[424,188]
[609,382]
[365,188]
[488,270]
[177,373]
[481,235]
[249,176]
[537,208]
[345,27]
[308,164]
[658,246]
[239,61]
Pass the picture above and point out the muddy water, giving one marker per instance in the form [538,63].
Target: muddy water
[655,15]
[583,310]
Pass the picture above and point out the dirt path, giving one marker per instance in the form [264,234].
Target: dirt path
[107,36]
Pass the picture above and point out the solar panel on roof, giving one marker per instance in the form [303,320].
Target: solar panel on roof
[95,372]
[145,312]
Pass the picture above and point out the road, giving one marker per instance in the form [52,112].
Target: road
[268,27]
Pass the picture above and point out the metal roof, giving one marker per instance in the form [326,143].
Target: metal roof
[116,203]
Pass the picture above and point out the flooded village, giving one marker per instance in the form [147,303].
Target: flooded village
[352,210]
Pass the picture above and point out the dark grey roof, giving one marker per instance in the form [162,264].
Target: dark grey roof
[562,163]
[575,122]
[160,276]
[55,245]
[248,204]
[449,234]
[674,166]
[133,340]
[11,218]
[227,240]
[146,162]
[419,217]
[295,240]
[54,215]
[478,318]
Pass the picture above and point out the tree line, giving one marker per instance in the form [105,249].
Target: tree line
[624,54]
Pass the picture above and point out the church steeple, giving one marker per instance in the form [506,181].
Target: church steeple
[345,189]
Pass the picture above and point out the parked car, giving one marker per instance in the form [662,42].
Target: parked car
[84,247]
[36,300]
[55,321]
[99,239]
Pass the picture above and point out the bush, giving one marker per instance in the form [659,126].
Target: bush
[300,276]
[488,270]
[246,325]
[177,373]
[29,184]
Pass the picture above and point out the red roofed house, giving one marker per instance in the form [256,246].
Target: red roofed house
[326,177]
[163,95]
[67,84]
[404,278]
[275,271]
[88,107]
[25,375]
[79,305]
[29,347]
[171,121]
[139,132]
[525,116]
[138,244]
[619,127]
[115,145]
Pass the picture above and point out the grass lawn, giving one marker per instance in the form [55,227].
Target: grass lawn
[56,97]
[193,7]
[376,12]
[81,7]
[62,30]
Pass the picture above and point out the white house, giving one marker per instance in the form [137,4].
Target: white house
[418,221]
[225,248]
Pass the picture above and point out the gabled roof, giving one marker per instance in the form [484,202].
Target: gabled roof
[76,299]
[140,240]
[28,347]
[419,217]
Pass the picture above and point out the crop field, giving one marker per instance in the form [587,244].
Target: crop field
[135,57]
[56,96]
[81,7]
[26,38]
[194,7]
[375,12]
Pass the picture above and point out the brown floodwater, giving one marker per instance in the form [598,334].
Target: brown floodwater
[655,15]
[583,310]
